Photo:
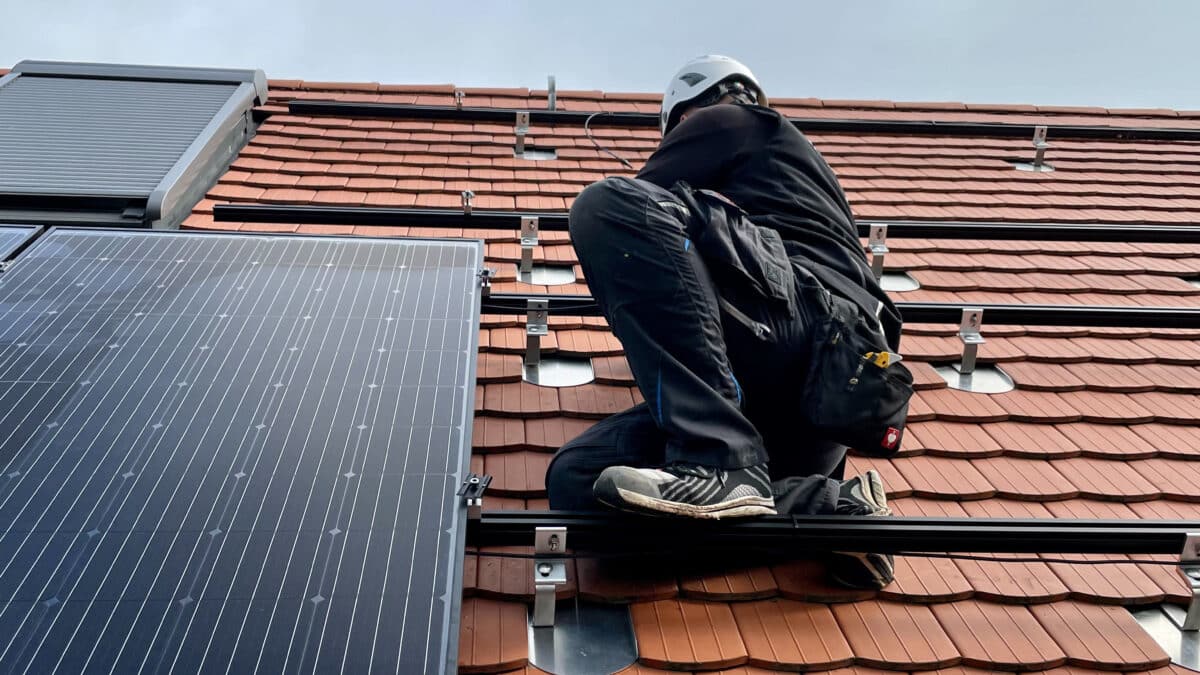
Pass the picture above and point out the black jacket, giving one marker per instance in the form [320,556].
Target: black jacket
[759,160]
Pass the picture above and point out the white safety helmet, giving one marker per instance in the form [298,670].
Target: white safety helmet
[700,76]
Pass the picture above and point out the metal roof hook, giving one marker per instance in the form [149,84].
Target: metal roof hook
[1039,145]
[467,196]
[878,245]
[969,331]
[551,94]
[549,572]
[529,241]
[459,95]
[521,129]
[1189,566]
[537,325]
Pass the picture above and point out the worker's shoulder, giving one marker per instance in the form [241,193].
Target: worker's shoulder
[732,114]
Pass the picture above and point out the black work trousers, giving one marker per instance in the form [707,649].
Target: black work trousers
[718,389]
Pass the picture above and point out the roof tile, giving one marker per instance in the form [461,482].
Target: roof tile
[943,477]
[680,635]
[895,635]
[1034,441]
[492,636]
[518,474]
[749,583]
[1176,479]
[1027,479]
[497,434]
[512,578]
[998,636]
[921,579]
[554,432]
[1096,636]
[807,580]
[785,634]
[1107,479]
[602,580]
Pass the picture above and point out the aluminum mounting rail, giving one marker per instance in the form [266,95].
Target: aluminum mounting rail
[808,125]
[614,533]
[923,312]
[557,221]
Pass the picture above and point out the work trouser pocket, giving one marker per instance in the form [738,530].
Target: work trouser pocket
[746,259]
[856,392]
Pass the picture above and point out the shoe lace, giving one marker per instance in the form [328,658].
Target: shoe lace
[698,471]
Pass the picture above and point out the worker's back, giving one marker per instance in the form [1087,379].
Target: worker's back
[758,159]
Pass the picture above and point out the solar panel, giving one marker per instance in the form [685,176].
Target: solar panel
[231,453]
[13,237]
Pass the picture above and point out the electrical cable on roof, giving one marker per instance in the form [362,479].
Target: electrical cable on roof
[610,153]
[910,554]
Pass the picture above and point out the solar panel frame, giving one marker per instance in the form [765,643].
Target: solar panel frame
[15,237]
[453,563]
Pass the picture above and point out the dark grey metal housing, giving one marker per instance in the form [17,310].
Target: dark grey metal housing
[103,144]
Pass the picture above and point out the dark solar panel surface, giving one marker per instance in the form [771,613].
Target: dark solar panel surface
[12,237]
[233,453]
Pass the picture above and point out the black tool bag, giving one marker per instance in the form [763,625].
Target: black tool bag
[847,396]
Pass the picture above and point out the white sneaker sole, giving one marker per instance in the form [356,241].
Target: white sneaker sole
[742,507]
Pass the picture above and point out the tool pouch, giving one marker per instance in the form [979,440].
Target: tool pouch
[846,396]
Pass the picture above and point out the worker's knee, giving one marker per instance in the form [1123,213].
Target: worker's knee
[601,205]
[570,477]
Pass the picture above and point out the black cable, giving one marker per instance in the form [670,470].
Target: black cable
[587,129]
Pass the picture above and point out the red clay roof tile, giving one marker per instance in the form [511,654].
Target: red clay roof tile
[512,578]
[791,635]
[749,583]
[895,635]
[942,477]
[998,636]
[492,636]
[553,432]
[1097,636]
[680,635]
[615,581]
[498,434]
[927,580]
[517,474]
[807,580]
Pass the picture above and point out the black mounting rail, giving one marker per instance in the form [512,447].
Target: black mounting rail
[924,312]
[806,534]
[557,221]
[808,125]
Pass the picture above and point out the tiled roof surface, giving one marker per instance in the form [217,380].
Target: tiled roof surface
[1103,421]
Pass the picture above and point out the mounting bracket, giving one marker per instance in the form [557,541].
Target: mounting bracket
[529,240]
[969,333]
[521,128]
[537,325]
[1189,566]
[879,249]
[549,572]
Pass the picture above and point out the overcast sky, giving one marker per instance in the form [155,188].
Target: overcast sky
[1114,53]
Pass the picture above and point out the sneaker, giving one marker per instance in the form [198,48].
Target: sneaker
[688,490]
[862,496]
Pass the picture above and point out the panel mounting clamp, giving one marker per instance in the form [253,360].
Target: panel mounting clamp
[485,277]
[521,129]
[549,572]
[529,240]
[537,325]
[472,490]
[878,245]
[1189,566]
[467,196]
[969,333]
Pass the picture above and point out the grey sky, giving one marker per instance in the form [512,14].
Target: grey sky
[1115,53]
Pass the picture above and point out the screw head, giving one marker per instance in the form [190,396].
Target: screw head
[544,569]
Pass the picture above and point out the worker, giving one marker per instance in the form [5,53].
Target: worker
[712,267]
